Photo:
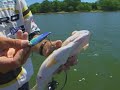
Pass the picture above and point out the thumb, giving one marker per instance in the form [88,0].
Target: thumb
[24,43]
[57,43]
[13,43]
[22,55]
[17,43]
[50,47]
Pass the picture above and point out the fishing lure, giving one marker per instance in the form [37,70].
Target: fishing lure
[39,38]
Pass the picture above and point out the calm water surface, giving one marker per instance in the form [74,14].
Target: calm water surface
[99,66]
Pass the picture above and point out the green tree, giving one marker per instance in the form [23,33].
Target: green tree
[110,5]
[84,7]
[71,5]
[46,6]
[94,6]
[56,6]
[35,8]
[74,5]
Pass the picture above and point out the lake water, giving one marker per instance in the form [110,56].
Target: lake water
[98,66]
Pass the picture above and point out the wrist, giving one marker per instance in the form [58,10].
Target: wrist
[39,47]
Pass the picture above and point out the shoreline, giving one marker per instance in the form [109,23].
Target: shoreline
[63,12]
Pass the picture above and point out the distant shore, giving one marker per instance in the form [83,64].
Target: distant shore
[63,12]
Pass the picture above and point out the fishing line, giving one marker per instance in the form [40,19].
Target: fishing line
[53,84]
[66,78]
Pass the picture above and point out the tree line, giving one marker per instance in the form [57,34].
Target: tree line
[74,5]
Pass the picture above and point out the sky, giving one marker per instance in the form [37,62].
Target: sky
[29,2]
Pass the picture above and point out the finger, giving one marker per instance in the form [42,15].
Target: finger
[6,43]
[72,60]
[24,43]
[57,44]
[19,34]
[51,46]
[18,57]
[21,57]
[74,32]
[27,54]
[17,43]
[25,36]
[10,53]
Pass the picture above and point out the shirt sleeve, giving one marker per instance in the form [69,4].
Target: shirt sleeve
[29,23]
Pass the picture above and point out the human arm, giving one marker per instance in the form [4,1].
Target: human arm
[45,46]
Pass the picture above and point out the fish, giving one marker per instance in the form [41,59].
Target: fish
[73,45]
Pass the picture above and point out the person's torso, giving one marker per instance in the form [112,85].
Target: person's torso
[11,18]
